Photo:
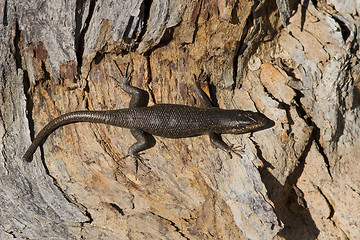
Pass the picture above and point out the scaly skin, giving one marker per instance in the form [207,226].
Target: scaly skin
[164,120]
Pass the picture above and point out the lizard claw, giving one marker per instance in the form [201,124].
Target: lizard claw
[125,78]
[238,150]
[137,159]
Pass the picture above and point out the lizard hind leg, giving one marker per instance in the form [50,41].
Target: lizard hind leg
[144,141]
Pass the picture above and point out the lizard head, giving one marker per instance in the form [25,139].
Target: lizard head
[247,121]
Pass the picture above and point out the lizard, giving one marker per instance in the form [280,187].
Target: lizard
[164,120]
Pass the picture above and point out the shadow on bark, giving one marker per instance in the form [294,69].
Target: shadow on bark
[297,220]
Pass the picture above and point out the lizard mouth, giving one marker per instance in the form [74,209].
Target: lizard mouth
[247,128]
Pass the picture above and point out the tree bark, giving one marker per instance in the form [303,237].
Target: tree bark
[296,62]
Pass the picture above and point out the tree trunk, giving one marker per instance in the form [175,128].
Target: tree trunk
[297,63]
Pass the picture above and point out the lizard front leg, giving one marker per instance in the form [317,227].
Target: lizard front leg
[216,140]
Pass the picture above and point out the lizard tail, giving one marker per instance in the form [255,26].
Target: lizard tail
[73,117]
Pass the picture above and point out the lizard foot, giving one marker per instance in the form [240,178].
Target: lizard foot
[238,150]
[137,159]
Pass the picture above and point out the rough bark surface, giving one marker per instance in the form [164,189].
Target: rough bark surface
[296,62]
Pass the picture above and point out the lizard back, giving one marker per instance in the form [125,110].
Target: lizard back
[179,121]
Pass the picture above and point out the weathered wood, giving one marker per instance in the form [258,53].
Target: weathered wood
[297,180]
[284,10]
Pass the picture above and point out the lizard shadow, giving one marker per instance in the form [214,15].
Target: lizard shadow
[296,217]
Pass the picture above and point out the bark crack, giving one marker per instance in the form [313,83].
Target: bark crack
[46,73]
[117,208]
[5,157]
[317,39]
[353,189]
[285,107]
[26,81]
[5,20]
[195,19]
[145,14]
[17,52]
[82,225]
[259,154]
[315,135]
[80,33]
[8,232]
[332,210]
[149,78]
[132,200]
[345,31]
[172,223]
[4,134]
[320,148]
[73,201]
[251,36]
[240,47]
